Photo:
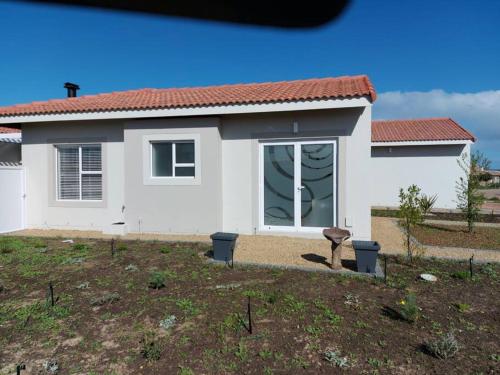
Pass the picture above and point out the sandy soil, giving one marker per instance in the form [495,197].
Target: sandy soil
[280,250]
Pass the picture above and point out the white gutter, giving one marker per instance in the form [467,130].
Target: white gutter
[194,111]
[421,143]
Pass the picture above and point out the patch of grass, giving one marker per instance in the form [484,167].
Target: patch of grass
[293,305]
[151,347]
[462,307]
[165,250]
[10,244]
[265,354]
[80,247]
[105,299]
[241,351]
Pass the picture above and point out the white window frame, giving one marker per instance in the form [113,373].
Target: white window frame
[297,226]
[81,172]
[149,179]
[174,158]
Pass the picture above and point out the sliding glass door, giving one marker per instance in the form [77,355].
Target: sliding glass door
[298,185]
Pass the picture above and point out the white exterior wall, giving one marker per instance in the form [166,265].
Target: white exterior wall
[433,168]
[42,211]
[240,163]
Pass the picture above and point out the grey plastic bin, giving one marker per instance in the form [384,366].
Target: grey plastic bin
[366,255]
[223,245]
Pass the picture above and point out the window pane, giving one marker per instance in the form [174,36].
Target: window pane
[92,187]
[68,174]
[184,152]
[184,171]
[162,159]
[91,158]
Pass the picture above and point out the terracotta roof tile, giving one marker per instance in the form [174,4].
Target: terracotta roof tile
[5,129]
[431,129]
[310,89]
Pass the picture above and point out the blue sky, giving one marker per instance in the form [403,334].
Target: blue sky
[440,59]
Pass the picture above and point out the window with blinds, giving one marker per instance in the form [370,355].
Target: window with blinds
[79,172]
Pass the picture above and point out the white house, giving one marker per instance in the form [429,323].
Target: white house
[424,152]
[285,157]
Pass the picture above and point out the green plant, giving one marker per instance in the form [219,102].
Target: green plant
[462,307]
[427,202]
[469,198]
[122,247]
[156,280]
[165,250]
[185,371]
[446,346]
[80,247]
[462,275]
[241,352]
[265,354]
[9,245]
[293,305]
[410,212]
[187,306]
[489,271]
[335,358]
[495,357]
[409,309]
[151,347]
[168,322]
[375,363]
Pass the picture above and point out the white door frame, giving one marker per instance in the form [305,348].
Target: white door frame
[297,143]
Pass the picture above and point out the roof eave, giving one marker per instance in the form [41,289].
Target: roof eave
[348,102]
[422,143]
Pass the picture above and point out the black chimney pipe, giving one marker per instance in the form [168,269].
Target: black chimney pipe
[72,88]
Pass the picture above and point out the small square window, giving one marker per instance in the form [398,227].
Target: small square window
[173,158]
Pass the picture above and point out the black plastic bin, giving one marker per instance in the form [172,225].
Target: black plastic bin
[223,245]
[366,255]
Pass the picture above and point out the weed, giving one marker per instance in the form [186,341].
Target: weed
[462,307]
[446,346]
[489,271]
[233,322]
[300,362]
[268,371]
[314,331]
[361,324]
[495,357]
[333,319]
[107,298]
[151,347]
[156,280]
[9,245]
[122,247]
[375,363]
[335,358]
[409,309]
[131,268]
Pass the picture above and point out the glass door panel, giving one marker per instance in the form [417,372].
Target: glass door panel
[316,167]
[279,185]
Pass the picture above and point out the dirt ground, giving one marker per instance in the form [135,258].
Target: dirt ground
[106,318]
[291,251]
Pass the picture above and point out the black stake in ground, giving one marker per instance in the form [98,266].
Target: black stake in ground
[470,265]
[112,247]
[249,313]
[50,295]
[19,368]
[385,269]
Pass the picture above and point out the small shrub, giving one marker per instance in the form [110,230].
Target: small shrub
[427,202]
[107,298]
[150,347]
[265,354]
[168,322]
[446,346]
[334,357]
[187,306]
[409,309]
[156,280]
[165,250]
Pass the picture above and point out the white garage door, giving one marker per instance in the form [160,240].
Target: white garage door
[11,199]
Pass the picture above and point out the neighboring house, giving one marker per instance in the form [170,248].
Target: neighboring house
[424,152]
[284,157]
[10,146]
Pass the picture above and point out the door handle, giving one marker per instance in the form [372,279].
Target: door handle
[300,188]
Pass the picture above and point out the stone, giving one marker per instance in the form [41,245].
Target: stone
[428,277]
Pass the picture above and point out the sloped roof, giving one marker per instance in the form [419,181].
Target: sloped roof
[5,130]
[429,129]
[250,93]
